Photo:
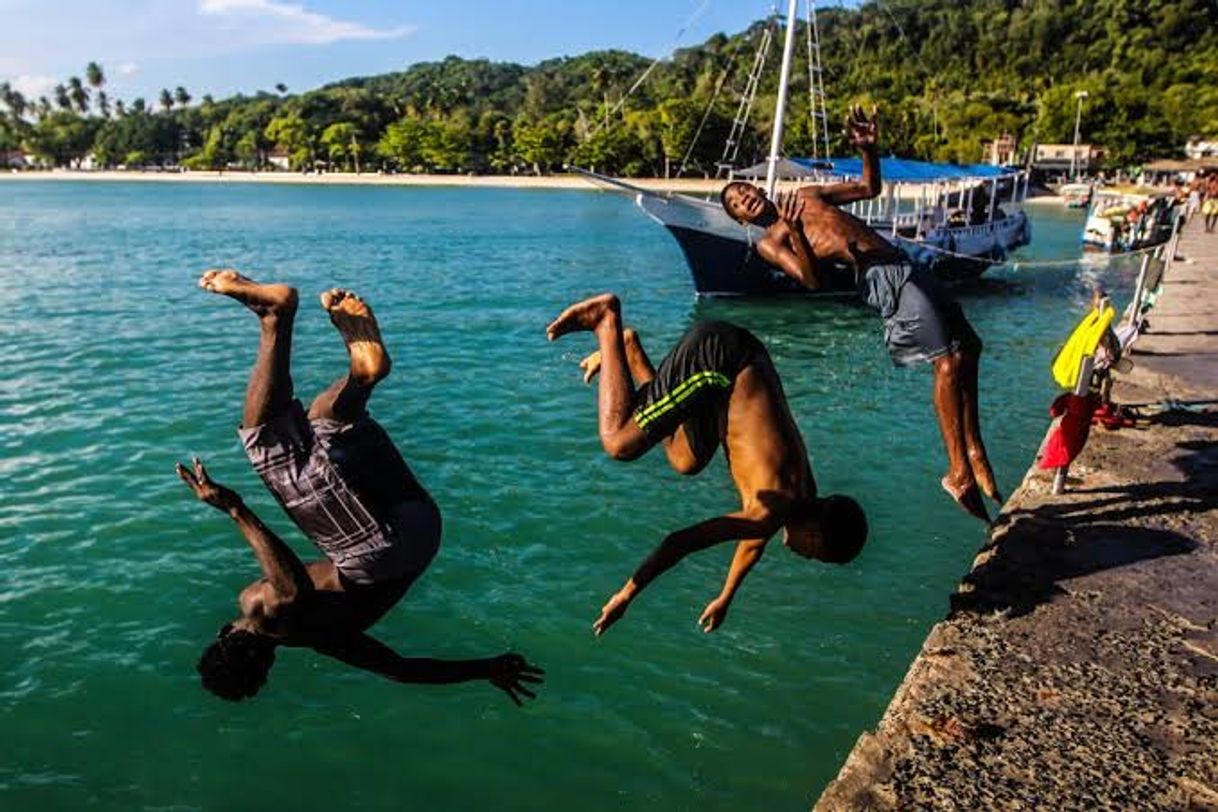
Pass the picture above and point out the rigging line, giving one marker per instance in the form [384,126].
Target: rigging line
[709,107]
[1034,263]
[698,12]
[892,17]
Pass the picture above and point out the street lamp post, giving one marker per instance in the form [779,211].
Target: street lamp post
[1078,118]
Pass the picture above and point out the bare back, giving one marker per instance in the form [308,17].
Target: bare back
[765,451]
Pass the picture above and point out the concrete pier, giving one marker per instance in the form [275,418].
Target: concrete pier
[1078,666]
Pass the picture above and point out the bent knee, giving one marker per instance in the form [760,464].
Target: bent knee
[686,465]
[620,448]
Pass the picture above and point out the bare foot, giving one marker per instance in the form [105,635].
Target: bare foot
[585,315]
[967,496]
[591,366]
[262,299]
[985,477]
[356,324]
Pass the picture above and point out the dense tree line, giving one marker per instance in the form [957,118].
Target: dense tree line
[946,75]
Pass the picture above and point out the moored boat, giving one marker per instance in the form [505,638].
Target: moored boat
[1129,219]
[956,220]
[951,219]
[1075,195]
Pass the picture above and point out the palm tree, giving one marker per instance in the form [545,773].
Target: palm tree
[78,94]
[166,100]
[94,75]
[13,100]
[43,108]
[139,106]
[95,78]
[181,96]
[281,88]
[61,98]
[120,108]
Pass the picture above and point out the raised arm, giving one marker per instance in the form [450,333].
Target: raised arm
[748,553]
[510,673]
[864,134]
[284,571]
[759,523]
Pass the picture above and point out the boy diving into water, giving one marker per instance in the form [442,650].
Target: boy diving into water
[717,386]
[922,323]
[339,477]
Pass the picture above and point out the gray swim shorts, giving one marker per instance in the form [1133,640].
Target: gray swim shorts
[921,320]
[347,488]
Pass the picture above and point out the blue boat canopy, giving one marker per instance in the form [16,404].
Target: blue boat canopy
[904,170]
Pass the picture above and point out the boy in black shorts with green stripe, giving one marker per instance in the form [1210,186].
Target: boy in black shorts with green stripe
[717,386]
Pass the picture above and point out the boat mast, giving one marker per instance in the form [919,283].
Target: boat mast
[780,110]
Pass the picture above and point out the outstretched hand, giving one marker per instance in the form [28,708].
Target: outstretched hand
[863,130]
[611,613]
[512,674]
[714,614]
[213,493]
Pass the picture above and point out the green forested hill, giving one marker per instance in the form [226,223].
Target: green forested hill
[946,76]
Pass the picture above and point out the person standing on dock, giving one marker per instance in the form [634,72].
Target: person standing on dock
[717,387]
[922,323]
[339,477]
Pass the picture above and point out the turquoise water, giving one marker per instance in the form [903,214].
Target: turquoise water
[112,578]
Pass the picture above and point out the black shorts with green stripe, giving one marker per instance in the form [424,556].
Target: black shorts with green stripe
[693,382]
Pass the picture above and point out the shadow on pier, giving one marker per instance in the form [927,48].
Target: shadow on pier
[1038,548]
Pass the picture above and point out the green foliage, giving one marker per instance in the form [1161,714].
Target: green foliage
[63,138]
[947,75]
[421,145]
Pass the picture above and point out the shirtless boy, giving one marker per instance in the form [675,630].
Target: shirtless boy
[807,230]
[717,387]
[339,477]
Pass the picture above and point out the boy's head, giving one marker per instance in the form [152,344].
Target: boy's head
[235,666]
[832,529]
[743,202]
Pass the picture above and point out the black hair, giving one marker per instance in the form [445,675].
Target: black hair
[723,195]
[845,529]
[235,666]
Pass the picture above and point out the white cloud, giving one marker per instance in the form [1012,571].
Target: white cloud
[293,23]
[127,69]
[34,86]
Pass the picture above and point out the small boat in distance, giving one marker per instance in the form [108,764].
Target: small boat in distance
[1129,219]
[1075,195]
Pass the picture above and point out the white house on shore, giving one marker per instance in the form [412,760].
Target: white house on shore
[1197,149]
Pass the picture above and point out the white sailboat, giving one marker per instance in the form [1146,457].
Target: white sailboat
[950,218]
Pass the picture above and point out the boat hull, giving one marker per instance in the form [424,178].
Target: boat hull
[723,259]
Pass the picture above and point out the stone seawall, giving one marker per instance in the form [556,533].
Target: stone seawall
[1078,665]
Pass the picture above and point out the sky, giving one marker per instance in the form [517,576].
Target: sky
[224,47]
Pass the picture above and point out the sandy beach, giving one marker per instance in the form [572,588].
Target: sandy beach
[567,181]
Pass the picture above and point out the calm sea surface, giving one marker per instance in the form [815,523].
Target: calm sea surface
[112,578]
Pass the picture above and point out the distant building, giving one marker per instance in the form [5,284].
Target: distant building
[1052,160]
[279,159]
[1198,149]
[1000,151]
[13,159]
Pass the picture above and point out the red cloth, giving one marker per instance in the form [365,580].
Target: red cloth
[1070,434]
